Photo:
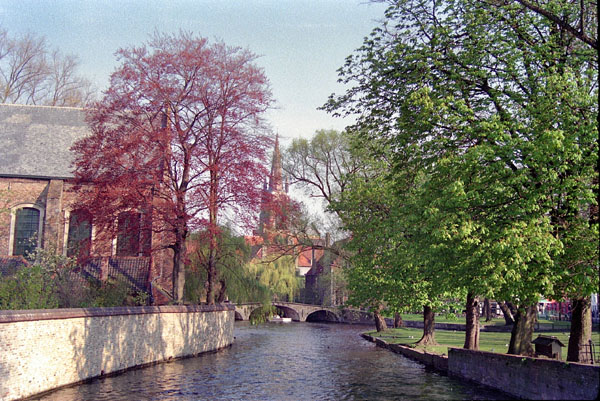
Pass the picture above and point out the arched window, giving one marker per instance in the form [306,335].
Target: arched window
[79,239]
[128,234]
[26,230]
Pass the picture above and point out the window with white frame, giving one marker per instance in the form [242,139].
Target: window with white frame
[26,230]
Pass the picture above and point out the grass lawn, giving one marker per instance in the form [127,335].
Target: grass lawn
[494,322]
[488,341]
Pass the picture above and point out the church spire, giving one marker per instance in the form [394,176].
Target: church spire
[275,179]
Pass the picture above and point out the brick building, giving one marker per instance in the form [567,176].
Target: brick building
[38,203]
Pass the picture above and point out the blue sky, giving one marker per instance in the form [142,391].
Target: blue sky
[301,42]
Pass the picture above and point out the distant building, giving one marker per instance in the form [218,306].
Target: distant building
[314,261]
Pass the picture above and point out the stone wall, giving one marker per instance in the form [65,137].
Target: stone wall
[517,376]
[46,349]
[438,362]
[529,378]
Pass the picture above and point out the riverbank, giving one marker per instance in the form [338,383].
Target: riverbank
[511,374]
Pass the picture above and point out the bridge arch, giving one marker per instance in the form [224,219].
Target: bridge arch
[243,311]
[323,315]
[286,311]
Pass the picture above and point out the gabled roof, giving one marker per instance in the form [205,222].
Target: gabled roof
[35,141]
[547,340]
[305,257]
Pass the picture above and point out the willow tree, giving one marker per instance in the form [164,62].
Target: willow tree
[497,106]
[180,134]
[234,282]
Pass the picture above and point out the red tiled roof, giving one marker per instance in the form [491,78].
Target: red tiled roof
[305,257]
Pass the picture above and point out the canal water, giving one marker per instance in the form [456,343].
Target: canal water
[284,361]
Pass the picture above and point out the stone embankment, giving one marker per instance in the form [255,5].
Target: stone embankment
[41,350]
[518,376]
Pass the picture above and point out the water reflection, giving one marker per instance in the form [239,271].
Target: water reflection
[292,361]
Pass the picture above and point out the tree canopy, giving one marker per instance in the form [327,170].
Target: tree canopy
[179,135]
[489,111]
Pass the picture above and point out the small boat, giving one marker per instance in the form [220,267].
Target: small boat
[279,319]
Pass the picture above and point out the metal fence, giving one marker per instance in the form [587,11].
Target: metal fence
[591,352]
[133,271]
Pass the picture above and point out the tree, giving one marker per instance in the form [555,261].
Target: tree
[324,167]
[324,164]
[178,135]
[578,18]
[496,106]
[236,282]
[31,73]
[279,276]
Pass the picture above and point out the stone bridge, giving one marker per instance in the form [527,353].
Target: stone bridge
[306,312]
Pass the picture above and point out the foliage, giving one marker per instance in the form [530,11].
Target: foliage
[323,164]
[262,314]
[235,280]
[30,288]
[279,276]
[489,114]
[114,292]
[55,281]
[179,135]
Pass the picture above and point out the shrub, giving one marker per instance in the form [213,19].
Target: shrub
[31,287]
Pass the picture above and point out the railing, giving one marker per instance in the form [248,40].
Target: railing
[591,352]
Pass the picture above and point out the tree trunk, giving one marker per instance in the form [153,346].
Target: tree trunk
[398,320]
[210,288]
[222,292]
[428,327]
[522,331]
[581,330]
[508,316]
[178,279]
[472,329]
[380,323]
[512,308]
[213,231]
[487,309]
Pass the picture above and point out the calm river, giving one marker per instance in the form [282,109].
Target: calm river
[284,361]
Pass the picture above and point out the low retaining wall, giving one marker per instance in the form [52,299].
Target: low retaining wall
[518,376]
[41,350]
[530,378]
[438,362]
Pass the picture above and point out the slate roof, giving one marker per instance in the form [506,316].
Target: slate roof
[35,140]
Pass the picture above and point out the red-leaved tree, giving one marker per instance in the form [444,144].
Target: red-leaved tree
[178,135]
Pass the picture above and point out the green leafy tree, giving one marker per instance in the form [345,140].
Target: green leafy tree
[235,281]
[279,276]
[496,106]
